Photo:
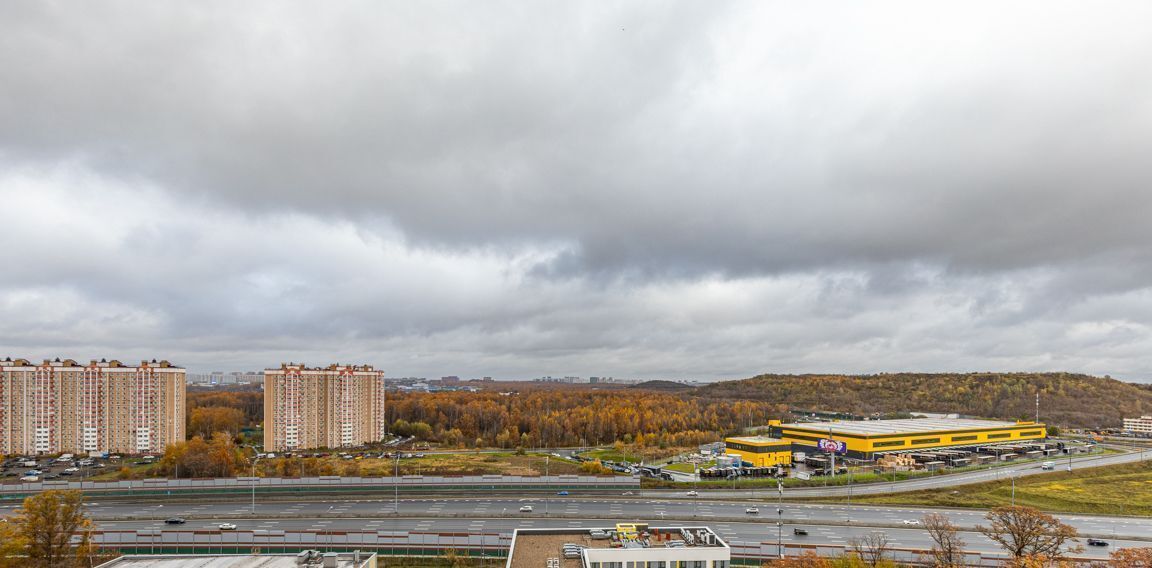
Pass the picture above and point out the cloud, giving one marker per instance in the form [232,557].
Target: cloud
[660,190]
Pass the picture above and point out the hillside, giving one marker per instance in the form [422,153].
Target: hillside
[661,386]
[1066,399]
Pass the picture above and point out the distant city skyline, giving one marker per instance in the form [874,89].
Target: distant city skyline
[705,190]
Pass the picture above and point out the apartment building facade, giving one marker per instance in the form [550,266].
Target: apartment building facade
[332,407]
[62,406]
[1142,425]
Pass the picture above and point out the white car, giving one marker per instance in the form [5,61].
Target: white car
[752,511]
[72,470]
[29,478]
[227,527]
[526,509]
[911,522]
[693,494]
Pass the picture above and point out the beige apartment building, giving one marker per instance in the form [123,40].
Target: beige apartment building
[333,407]
[66,407]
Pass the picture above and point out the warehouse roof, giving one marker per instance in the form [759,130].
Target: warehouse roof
[907,426]
[755,440]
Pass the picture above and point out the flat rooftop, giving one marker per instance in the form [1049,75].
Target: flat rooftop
[904,426]
[531,548]
[228,561]
[755,439]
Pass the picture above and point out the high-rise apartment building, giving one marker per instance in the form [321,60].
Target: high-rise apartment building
[64,406]
[332,407]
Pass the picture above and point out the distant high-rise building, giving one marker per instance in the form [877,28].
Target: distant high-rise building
[332,407]
[63,406]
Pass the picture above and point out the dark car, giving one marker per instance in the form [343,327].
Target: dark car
[562,493]
[174,521]
[1096,542]
[799,532]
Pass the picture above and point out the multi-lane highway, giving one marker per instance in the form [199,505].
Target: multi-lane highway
[827,524]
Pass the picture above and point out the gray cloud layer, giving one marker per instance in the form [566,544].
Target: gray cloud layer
[543,188]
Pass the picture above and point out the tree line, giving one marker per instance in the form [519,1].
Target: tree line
[1075,400]
[555,418]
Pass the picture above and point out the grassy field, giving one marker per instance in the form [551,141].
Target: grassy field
[687,467]
[646,454]
[464,463]
[1118,490]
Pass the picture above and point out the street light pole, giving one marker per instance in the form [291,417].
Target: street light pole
[780,518]
[254,485]
[396,486]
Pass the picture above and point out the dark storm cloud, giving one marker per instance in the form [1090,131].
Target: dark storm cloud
[521,184]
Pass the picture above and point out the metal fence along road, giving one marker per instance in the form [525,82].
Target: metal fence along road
[268,485]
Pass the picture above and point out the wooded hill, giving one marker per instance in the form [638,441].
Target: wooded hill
[1066,399]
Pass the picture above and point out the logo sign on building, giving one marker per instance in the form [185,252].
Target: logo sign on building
[831,446]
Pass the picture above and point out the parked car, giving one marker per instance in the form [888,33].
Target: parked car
[30,478]
[71,470]
[227,527]
[174,521]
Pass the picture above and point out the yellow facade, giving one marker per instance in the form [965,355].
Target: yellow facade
[760,451]
[869,443]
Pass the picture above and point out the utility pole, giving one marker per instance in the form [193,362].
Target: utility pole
[1037,406]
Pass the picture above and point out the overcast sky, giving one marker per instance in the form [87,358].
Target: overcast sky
[694,190]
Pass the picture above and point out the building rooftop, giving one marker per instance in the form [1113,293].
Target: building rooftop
[343,560]
[531,548]
[906,426]
[755,439]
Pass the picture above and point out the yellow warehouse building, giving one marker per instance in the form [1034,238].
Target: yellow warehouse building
[868,437]
[760,451]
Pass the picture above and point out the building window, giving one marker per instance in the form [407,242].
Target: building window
[999,436]
[1030,433]
[888,444]
[927,441]
[964,438]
